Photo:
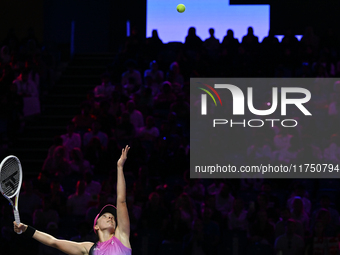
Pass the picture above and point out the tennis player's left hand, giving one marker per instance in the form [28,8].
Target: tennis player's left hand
[123,157]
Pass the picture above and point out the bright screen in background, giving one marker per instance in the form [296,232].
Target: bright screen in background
[204,14]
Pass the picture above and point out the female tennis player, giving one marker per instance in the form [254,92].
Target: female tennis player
[113,232]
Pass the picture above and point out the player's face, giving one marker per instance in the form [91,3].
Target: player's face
[107,220]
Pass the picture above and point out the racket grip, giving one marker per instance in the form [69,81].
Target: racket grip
[17,219]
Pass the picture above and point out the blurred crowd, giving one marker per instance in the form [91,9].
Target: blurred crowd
[143,101]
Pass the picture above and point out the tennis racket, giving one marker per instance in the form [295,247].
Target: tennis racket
[10,182]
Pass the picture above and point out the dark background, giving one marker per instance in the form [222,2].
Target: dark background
[102,23]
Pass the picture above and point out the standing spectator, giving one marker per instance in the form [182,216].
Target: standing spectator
[192,41]
[212,44]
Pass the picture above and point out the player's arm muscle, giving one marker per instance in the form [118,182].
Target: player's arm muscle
[68,247]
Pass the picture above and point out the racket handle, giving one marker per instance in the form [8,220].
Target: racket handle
[17,219]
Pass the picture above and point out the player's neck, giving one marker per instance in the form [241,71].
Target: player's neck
[104,236]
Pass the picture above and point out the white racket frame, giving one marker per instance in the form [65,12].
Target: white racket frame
[16,194]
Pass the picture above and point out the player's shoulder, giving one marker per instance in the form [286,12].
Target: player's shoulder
[87,246]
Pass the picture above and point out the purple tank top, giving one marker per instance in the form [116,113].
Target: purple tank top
[111,247]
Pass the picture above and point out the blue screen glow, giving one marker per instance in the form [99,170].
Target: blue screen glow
[204,14]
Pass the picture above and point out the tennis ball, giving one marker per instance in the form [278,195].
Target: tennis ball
[181,8]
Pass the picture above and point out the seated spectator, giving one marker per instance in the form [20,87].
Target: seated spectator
[29,91]
[299,214]
[58,198]
[131,72]
[289,243]
[174,75]
[181,108]
[26,87]
[332,152]
[92,187]
[187,209]
[282,140]
[215,187]
[156,75]
[130,87]
[177,229]
[94,153]
[259,150]
[300,192]
[57,164]
[165,98]
[84,121]
[5,55]
[77,203]
[71,140]
[57,141]
[41,217]
[78,164]
[211,230]
[309,152]
[194,188]
[95,132]
[105,89]
[280,226]
[125,129]
[148,132]
[320,243]
[155,215]
[325,203]
[287,155]
[237,218]
[262,231]
[224,200]
[29,201]
[135,212]
[116,106]
[136,117]
[107,121]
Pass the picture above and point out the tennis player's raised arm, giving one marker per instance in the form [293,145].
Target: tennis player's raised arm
[68,247]
[122,212]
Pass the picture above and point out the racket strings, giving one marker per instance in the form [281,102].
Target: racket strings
[10,176]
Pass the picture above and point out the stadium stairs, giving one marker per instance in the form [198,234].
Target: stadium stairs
[58,107]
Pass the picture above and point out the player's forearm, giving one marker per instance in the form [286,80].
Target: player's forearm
[45,238]
[121,187]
